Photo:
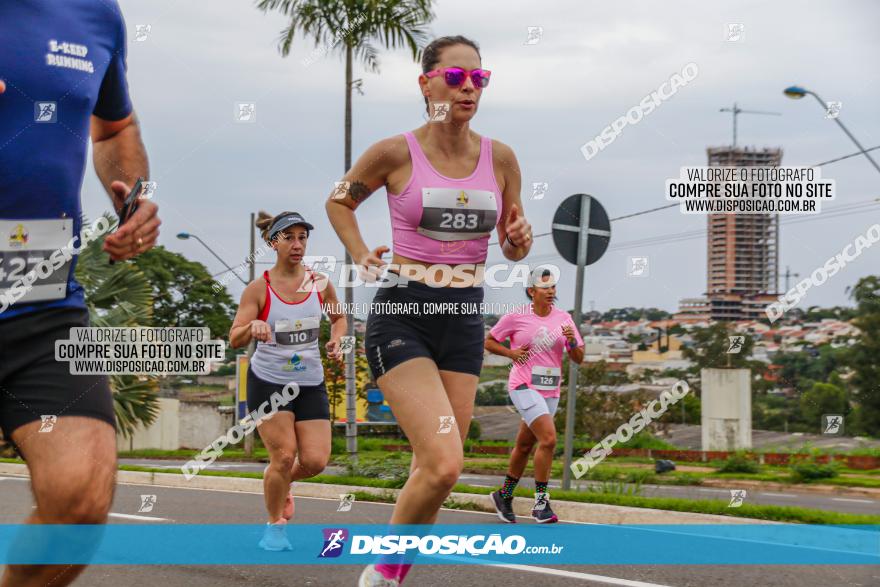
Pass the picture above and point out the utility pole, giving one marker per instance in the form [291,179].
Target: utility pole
[350,381]
[249,438]
[788,274]
[736,111]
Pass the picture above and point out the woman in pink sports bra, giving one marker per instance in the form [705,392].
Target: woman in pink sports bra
[448,190]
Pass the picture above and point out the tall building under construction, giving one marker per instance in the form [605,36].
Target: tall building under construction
[742,252]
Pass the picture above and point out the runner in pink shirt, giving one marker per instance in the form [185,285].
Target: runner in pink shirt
[539,334]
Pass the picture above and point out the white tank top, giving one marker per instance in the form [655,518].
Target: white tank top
[294,356]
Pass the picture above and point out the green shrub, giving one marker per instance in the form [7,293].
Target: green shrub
[392,467]
[474,430]
[807,471]
[645,439]
[739,463]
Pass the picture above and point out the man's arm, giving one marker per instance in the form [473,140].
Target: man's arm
[120,158]
[119,153]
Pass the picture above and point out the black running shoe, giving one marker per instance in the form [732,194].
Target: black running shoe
[542,512]
[504,507]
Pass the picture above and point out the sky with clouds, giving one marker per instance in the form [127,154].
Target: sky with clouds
[594,61]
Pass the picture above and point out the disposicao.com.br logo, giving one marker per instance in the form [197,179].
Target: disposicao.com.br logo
[431,544]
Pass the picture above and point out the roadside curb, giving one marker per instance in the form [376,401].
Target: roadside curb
[568,511]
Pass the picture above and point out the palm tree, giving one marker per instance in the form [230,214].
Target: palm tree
[120,295]
[350,26]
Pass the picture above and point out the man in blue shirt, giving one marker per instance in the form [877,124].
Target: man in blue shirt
[63,73]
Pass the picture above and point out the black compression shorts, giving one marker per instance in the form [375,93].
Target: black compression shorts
[401,326]
[310,404]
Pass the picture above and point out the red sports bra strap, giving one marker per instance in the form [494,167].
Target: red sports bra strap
[266,277]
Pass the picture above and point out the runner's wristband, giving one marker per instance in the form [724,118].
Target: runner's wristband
[571,344]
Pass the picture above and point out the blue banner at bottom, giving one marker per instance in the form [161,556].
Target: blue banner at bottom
[565,544]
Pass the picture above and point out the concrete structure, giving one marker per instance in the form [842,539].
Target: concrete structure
[726,413]
[201,422]
[181,424]
[611,349]
[692,310]
[743,249]
[653,354]
[162,434]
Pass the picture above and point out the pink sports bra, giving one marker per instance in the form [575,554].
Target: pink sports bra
[438,219]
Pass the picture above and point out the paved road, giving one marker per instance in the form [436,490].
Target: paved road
[185,506]
[845,504]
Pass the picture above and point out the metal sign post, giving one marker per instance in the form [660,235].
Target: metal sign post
[581,232]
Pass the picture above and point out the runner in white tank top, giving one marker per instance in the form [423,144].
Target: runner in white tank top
[292,353]
[282,311]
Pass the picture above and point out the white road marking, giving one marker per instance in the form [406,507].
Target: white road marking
[711,490]
[139,518]
[14,478]
[851,500]
[779,494]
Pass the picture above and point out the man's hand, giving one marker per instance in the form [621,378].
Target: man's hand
[139,233]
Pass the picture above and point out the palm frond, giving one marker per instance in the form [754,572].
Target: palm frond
[135,402]
[368,56]
[393,23]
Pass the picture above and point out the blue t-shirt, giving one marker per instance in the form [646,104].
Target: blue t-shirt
[62,61]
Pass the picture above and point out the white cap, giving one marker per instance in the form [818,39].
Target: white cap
[536,279]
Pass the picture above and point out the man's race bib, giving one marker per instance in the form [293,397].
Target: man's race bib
[300,332]
[545,378]
[24,244]
[450,214]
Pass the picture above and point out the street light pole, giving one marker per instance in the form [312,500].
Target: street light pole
[252,347]
[796,93]
[187,235]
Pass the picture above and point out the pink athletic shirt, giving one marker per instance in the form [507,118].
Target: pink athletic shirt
[438,219]
[542,370]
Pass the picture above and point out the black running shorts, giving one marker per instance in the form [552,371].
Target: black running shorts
[33,384]
[444,324]
[311,403]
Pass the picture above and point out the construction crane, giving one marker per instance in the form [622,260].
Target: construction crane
[788,274]
[736,110]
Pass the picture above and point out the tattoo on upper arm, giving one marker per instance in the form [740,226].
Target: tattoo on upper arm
[358,191]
